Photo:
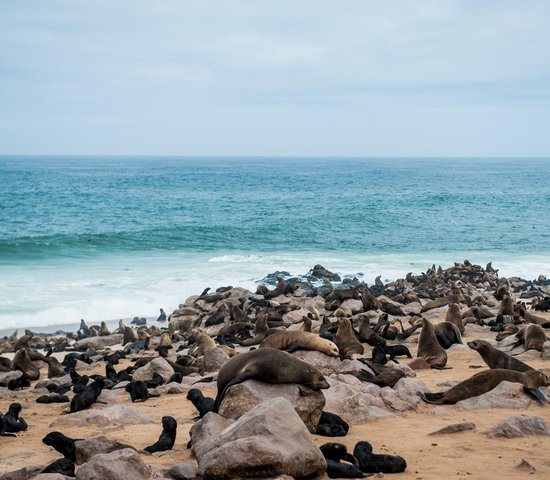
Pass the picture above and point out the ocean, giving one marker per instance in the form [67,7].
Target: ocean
[104,238]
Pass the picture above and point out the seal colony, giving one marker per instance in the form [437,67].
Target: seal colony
[342,352]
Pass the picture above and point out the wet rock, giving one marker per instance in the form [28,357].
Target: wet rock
[321,273]
[455,428]
[158,365]
[97,343]
[505,395]
[89,447]
[243,397]
[269,440]
[214,358]
[110,416]
[181,471]
[118,465]
[519,426]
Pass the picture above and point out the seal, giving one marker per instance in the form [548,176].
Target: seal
[55,369]
[290,341]
[203,342]
[532,337]
[260,329]
[278,290]
[200,402]
[447,334]
[495,358]
[370,462]
[13,423]
[268,365]
[346,340]
[167,437]
[332,425]
[484,382]
[138,391]
[429,348]
[335,454]
[442,301]
[23,363]
[453,316]
[87,397]
[506,306]
[63,444]
[63,466]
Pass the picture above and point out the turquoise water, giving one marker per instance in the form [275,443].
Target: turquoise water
[103,238]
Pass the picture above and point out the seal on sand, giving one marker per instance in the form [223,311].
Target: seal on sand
[453,315]
[290,341]
[267,365]
[484,382]
[346,340]
[167,437]
[429,348]
[496,358]
[447,334]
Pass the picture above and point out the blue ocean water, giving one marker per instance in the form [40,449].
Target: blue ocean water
[105,238]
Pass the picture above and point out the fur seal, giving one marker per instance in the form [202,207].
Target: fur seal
[167,437]
[23,363]
[63,466]
[496,358]
[260,329]
[162,316]
[453,316]
[55,369]
[200,402]
[87,397]
[484,382]
[335,454]
[268,365]
[346,340]
[138,391]
[429,348]
[290,341]
[370,462]
[332,425]
[13,423]
[447,334]
[278,290]
[532,337]
[442,301]
[64,445]
[203,342]
[506,306]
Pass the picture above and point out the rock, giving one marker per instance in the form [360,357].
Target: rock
[505,395]
[89,447]
[408,371]
[171,388]
[406,389]
[98,343]
[23,473]
[356,306]
[64,380]
[394,402]
[419,364]
[269,440]
[352,367]
[113,396]
[82,366]
[321,273]
[203,431]
[527,465]
[546,350]
[519,426]
[158,365]
[243,397]
[110,416]
[118,465]
[50,476]
[214,358]
[324,363]
[182,471]
[295,316]
[455,428]
[5,377]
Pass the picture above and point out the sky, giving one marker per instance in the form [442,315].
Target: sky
[275,77]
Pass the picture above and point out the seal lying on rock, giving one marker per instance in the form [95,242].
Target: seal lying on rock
[291,341]
[267,365]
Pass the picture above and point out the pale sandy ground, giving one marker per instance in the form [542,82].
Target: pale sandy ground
[469,454]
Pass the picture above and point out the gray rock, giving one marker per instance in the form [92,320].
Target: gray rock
[406,389]
[455,428]
[353,304]
[181,471]
[295,316]
[113,396]
[64,380]
[158,365]
[171,388]
[505,395]
[23,473]
[527,465]
[109,416]
[269,440]
[203,431]
[243,397]
[98,343]
[519,426]
[118,465]
[50,476]
[89,447]
[324,363]
[214,358]
[5,377]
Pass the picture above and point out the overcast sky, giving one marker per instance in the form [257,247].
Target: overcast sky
[275,77]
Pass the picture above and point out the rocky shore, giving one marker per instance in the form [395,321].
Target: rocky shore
[138,402]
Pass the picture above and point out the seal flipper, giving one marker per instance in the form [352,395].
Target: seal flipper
[536,394]
[432,398]
[220,396]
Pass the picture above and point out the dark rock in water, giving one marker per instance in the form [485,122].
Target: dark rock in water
[455,428]
[139,321]
[321,273]
[271,279]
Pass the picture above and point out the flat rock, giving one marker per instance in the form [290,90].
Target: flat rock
[269,440]
[110,416]
[455,428]
[243,397]
[113,396]
[171,388]
[50,476]
[89,447]
[519,426]
[353,304]
[98,343]
[181,471]
[5,377]
[505,395]
[295,316]
[64,380]
[158,365]
[23,473]
[214,358]
[118,465]
[324,363]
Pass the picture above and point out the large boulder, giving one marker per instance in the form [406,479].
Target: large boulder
[181,471]
[89,447]
[23,473]
[519,426]
[269,440]
[158,365]
[505,395]
[97,343]
[110,416]
[214,358]
[5,377]
[323,362]
[243,397]
[118,465]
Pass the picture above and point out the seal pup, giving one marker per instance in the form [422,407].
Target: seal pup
[268,365]
[345,339]
[13,423]
[167,437]
[55,369]
[334,454]
[506,306]
[384,376]
[447,334]
[138,391]
[370,462]
[429,348]
[87,397]
[484,382]
[331,425]
[496,358]
[200,402]
[453,316]
[63,444]
[290,341]
[63,466]
[3,427]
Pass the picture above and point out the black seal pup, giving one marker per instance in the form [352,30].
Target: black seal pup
[63,444]
[332,425]
[167,437]
[138,391]
[334,453]
[373,463]
[202,404]
[88,397]
[13,422]
[63,466]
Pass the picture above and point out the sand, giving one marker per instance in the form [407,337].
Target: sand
[470,454]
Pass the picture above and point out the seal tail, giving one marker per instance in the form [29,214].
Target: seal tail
[432,398]
[536,394]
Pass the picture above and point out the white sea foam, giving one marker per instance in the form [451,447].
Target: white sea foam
[64,291]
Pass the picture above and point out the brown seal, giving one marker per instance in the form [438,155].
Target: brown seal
[484,382]
[23,363]
[291,341]
[506,306]
[260,329]
[453,315]
[532,337]
[442,301]
[267,365]
[429,348]
[346,340]
[447,334]
[278,290]
[203,342]
[496,358]
[103,330]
